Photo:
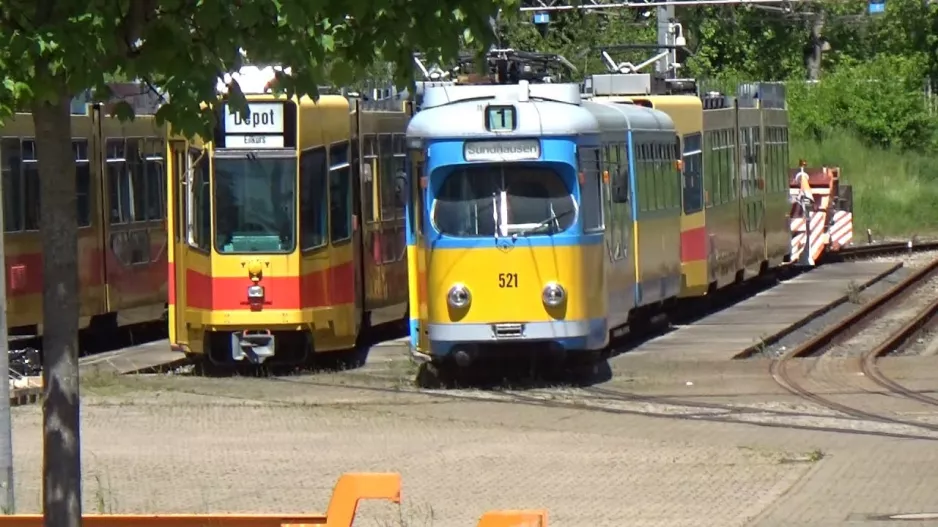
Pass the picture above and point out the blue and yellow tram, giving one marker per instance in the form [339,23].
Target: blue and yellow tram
[536,218]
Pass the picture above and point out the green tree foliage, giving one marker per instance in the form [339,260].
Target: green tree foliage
[52,50]
[880,100]
[873,69]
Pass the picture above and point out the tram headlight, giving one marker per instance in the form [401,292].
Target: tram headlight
[458,296]
[255,292]
[554,294]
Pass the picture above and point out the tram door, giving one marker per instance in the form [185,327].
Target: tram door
[178,197]
[417,251]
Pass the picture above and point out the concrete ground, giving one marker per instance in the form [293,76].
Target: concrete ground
[669,444]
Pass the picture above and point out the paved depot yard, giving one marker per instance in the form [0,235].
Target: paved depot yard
[680,457]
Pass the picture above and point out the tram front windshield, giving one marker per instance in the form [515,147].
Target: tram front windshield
[501,200]
[255,204]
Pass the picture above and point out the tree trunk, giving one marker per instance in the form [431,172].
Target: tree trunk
[61,484]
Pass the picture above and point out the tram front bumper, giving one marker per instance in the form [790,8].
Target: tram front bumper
[568,335]
[253,346]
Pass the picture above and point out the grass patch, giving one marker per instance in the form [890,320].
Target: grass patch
[894,193]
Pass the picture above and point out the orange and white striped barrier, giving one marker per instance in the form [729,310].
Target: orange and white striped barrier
[841,232]
[819,226]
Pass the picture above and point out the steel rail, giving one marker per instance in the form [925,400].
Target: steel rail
[850,325]
[895,341]
[779,368]
[883,249]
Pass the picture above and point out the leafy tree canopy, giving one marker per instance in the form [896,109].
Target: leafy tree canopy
[184,46]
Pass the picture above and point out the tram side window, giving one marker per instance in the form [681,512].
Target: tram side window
[781,160]
[340,196]
[591,190]
[670,176]
[640,191]
[712,172]
[692,190]
[11,165]
[386,175]
[648,182]
[620,176]
[663,173]
[648,177]
[662,183]
[30,186]
[719,151]
[399,175]
[82,183]
[727,164]
[118,182]
[773,159]
[417,196]
[313,198]
[784,155]
[731,184]
[673,153]
[156,179]
[138,183]
[368,176]
[757,150]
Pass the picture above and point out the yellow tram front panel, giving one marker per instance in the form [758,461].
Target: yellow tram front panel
[506,283]
[236,260]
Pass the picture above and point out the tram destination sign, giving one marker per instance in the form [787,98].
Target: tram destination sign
[264,127]
[514,150]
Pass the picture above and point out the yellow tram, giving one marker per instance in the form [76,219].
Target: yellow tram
[288,226]
[120,199]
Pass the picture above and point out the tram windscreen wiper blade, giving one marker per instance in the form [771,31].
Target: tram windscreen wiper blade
[553,218]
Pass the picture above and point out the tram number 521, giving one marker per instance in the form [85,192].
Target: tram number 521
[507,280]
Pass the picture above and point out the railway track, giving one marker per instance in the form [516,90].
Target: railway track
[881,249]
[784,369]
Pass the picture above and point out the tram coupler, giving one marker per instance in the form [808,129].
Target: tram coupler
[255,346]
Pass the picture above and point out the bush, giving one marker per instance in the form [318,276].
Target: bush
[881,102]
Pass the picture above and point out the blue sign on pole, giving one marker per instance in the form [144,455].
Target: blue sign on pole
[877,6]
[541,18]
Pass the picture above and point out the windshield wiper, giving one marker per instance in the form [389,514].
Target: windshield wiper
[553,218]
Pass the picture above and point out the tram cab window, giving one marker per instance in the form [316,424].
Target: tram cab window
[483,199]
[255,204]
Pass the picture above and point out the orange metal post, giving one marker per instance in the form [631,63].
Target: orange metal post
[350,489]
[514,519]
[348,492]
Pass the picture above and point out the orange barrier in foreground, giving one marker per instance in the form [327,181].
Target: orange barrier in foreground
[349,490]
